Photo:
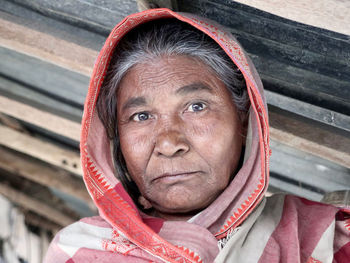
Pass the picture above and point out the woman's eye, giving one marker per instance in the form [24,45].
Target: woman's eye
[142,116]
[198,106]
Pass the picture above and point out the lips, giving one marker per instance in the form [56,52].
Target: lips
[175,176]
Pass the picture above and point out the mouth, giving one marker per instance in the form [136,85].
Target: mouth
[171,177]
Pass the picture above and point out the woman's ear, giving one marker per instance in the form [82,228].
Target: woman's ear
[144,202]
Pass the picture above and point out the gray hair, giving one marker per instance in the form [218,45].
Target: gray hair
[166,37]
[176,38]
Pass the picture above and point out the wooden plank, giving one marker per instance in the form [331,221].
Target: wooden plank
[310,111]
[311,147]
[43,174]
[21,15]
[42,119]
[310,137]
[41,222]
[35,205]
[337,101]
[245,19]
[329,14]
[143,5]
[59,83]
[42,150]
[31,97]
[47,47]
[307,171]
[21,93]
[100,16]
[11,123]
[338,198]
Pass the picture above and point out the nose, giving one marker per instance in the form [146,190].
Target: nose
[171,144]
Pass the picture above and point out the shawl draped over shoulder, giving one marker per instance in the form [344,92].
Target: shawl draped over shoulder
[241,225]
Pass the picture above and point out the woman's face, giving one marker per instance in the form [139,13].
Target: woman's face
[180,134]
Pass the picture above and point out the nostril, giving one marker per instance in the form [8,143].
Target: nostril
[179,152]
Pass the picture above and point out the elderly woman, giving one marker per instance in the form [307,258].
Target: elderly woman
[175,150]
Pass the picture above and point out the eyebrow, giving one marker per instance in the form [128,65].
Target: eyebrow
[194,87]
[134,102]
[191,88]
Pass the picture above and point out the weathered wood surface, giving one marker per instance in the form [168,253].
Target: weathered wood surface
[46,47]
[41,222]
[49,25]
[59,83]
[301,173]
[40,118]
[44,151]
[310,137]
[20,92]
[43,174]
[98,16]
[316,113]
[333,15]
[35,205]
[338,198]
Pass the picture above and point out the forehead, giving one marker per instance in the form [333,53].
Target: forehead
[167,75]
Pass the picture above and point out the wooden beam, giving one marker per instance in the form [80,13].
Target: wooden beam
[55,82]
[314,148]
[42,119]
[333,15]
[307,110]
[143,5]
[99,17]
[34,205]
[338,198]
[43,174]
[41,222]
[310,173]
[310,138]
[22,92]
[47,47]
[42,150]
[11,123]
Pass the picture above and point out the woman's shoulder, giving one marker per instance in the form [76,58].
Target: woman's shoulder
[90,239]
[306,215]
[316,228]
[290,201]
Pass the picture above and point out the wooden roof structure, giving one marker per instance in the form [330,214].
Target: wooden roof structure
[47,52]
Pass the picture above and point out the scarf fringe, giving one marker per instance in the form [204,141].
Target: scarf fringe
[223,241]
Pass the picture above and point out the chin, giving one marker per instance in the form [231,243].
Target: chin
[182,200]
[181,207]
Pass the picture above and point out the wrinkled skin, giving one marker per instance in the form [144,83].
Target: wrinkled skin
[180,134]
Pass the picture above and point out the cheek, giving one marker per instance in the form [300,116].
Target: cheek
[202,137]
[135,147]
[202,130]
[217,139]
